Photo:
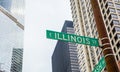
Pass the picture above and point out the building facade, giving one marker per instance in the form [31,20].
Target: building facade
[17,58]
[6,4]
[64,58]
[111,16]
[11,36]
[15,7]
[11,30]
[84,24]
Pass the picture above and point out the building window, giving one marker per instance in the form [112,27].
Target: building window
[114,50]
[112,10]
[116,38]
[114,22]
[97,52]
[102,5]
[118,45]
[113,30]
[118,35]
[103,11]
[117,6]
[117,0]
[109,4]
[105,16]
[106,22]
[100,1]
[117,57]
[113,16]
[110,35]
[85,70]
[112,42]
[96,33]
[119,53]
[118,10]
[104,1]
[117,29]
[108,29]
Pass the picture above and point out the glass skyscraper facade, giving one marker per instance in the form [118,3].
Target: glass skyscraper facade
[17,9]
[11,32]
[64,58]
[6,4]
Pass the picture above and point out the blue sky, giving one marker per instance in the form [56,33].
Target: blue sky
[42,15]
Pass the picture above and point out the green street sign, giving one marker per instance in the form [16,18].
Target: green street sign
[72,38]
[100,65]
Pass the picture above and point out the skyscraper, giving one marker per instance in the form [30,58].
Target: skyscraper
[15,7]
[64,58]
[11,30]
[6,4]
[17,58]
[11,36]
[84,24]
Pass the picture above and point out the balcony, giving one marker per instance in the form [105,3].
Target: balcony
[114,23]
[118,45]
[112,16]
[109,4]
[116,30]
[111,10]
[117,37]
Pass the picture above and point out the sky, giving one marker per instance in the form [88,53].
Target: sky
[42,15]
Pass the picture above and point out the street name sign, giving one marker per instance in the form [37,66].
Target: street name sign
[99,67]
[71,38]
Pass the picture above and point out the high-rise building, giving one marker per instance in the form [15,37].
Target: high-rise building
[84,24]
[17,58]
[15,7]
[111,15]
[64,58]
[1,68]
[11,30]
[6,4]
[11,36]
[2,71]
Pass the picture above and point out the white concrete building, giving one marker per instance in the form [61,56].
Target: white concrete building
[84,25]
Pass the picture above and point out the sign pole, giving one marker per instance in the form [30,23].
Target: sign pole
[111,64]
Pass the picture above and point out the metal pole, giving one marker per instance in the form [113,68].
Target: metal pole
[111,64]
